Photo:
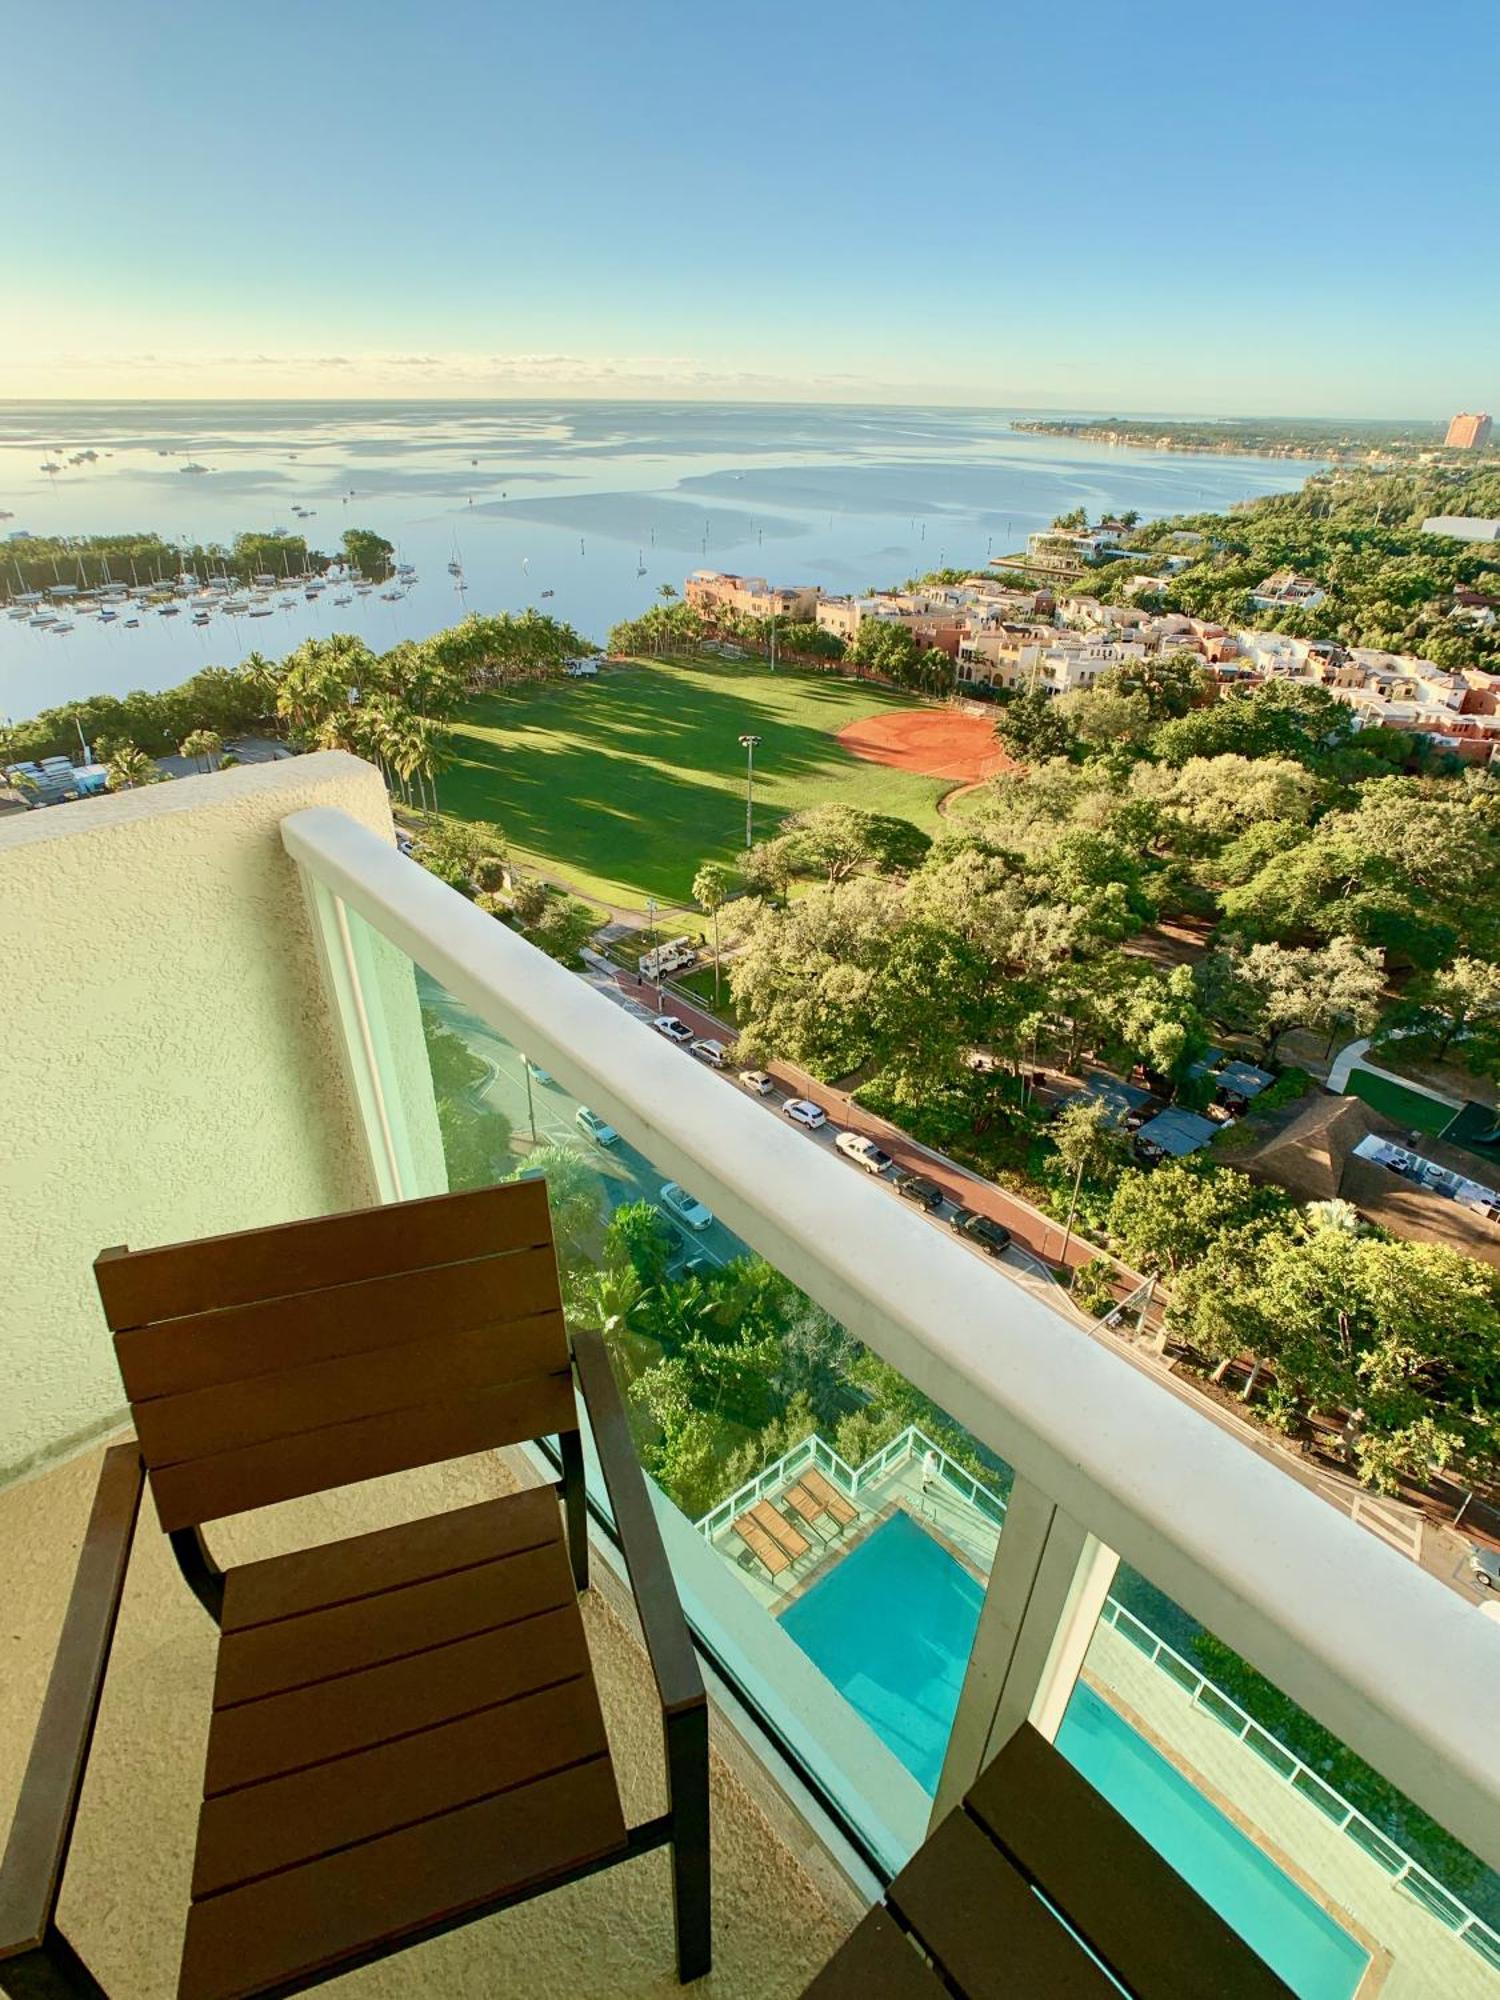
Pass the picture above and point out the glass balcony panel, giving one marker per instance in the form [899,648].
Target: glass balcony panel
[1340,1882]
[831,1529]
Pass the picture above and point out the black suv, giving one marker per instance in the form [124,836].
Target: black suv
[992,1237]
[918,1188]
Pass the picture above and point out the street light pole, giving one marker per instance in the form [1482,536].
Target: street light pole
[748,743]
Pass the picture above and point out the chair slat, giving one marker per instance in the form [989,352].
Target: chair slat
[307,1918]
[347,1638]
[286,1732]
[232,1482]
[877,1962]
[238,1343]
[220,1271]
[286,1821]
[283,1586]
[236,1415]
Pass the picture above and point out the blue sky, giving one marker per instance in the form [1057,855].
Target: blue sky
[1154,207]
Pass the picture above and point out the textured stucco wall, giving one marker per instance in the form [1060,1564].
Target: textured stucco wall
[168,1062]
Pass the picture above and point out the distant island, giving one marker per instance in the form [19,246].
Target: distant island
[1264,437]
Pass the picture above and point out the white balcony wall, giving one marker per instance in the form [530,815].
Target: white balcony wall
[169,1063]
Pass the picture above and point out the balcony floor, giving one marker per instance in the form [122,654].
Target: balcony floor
[778,1914]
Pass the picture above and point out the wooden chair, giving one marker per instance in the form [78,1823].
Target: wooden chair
[1035,1888]
[406,1733]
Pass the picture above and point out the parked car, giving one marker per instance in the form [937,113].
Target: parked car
[758,1081]
[674,1030]
[918,1188]
[1484,1568]
[713,1053]
[802,1111]
[403,843]
[602,1133]
[864,1152]
[992,1237]
[686,1207]
[541,1075]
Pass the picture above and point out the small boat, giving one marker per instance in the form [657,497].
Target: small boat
[363,589]
[44,618]
[287,603]
[549,593]
[105,614]
[390,596]
[192,467]
[200,618]
[344,597]
[18,611]
[63,625]
[132,624]
[48,466]
[168,610]
[455,569]
[261,610]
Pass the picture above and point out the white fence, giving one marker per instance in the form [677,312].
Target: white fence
[1405,1872]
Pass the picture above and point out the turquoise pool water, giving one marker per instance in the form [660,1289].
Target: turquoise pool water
[891,1626]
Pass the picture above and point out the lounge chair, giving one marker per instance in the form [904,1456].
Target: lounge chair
[811,1509]
[790,1540]
[842,1510]
[406,1733]
[760,1545]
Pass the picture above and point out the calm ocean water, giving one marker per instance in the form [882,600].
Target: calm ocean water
[595,503]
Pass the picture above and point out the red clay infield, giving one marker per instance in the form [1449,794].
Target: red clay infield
[940,743]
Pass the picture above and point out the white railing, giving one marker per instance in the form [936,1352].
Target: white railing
[814,1450]
[1397,1665]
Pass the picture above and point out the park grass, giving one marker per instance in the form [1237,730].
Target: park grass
[625,784]
[1402,1106]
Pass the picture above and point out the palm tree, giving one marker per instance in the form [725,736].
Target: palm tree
[205,746]
[711,886]
[130,767]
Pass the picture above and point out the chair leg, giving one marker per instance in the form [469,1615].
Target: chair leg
[692,1892]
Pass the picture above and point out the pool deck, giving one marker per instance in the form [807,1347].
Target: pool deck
[966,1533]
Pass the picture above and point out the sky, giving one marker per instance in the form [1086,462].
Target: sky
[1274,209]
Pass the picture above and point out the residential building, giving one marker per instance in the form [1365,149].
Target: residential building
[216,1020]
[1286,591]
[1469,431]
[711,591]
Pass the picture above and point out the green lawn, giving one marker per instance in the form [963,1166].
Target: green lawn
[625,784]
[1394,1101]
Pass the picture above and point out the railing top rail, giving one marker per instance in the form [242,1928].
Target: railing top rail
[1383,1654]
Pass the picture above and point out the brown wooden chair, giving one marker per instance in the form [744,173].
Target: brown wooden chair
[1035,1888]
[406,1733]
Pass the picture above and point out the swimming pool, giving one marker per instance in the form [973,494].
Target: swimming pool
[891,1626]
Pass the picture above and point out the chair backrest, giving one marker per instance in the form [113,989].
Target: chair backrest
[284,1361]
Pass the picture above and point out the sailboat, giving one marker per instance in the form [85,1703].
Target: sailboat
[640,562]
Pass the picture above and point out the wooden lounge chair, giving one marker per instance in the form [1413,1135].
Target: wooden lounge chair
[790,1540]
[965,1916]
[807,1506]
[842,1510]
[760,1545]
[406,1733]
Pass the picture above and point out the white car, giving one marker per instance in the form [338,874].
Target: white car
[802,1111]
[686,1207]
[713,1053]
[603,1133]
[758,1081]
[674,1030]
[864,1152]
